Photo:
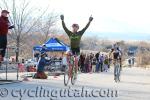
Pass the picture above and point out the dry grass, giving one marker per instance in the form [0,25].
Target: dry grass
[143,59]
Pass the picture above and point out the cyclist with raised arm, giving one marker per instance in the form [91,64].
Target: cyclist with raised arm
[75,38]
[75,35]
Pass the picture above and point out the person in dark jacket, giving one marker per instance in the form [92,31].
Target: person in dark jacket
[101,62]
[97,62]
[4,26]
[86,63]
[82,59]
[40,67]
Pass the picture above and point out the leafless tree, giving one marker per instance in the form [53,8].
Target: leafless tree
[25,18]
[47,25]
[89,43]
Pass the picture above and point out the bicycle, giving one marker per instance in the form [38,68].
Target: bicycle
[71,71]
[117,70]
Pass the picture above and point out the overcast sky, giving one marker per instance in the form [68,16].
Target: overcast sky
[110,16]
[132,16]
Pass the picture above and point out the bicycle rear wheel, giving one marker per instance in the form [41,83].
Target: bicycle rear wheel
[117,73]
[66,76]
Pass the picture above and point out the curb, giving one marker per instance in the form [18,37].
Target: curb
[4,82]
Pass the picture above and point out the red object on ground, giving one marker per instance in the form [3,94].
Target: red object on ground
[32,69]
[25,79]
[41,75]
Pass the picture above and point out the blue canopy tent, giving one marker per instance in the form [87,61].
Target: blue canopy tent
[53,44]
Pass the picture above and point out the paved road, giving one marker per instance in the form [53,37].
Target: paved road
[134,85]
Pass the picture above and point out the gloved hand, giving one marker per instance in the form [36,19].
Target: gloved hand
[62,17]
[91,18]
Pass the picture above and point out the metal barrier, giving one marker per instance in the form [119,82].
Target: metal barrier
[8,71]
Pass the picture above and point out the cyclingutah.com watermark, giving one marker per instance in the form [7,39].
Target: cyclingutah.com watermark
[57,94]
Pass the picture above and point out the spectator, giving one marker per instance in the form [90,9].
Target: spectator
[101,62]
[133,60]
[94,65]
[87,58]
[82,59]
[90,62]
[4,26]
[129,61]
[106,63]
[97,62]
[40,70]
[23,61]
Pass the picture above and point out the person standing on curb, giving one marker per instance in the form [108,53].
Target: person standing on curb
[4,26]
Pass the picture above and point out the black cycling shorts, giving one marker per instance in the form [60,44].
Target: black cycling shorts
[75,51]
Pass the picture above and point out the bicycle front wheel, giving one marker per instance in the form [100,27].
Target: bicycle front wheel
[66,76]
[117,72]
[74,76]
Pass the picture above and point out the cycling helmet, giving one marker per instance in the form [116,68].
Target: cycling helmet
[75,25]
